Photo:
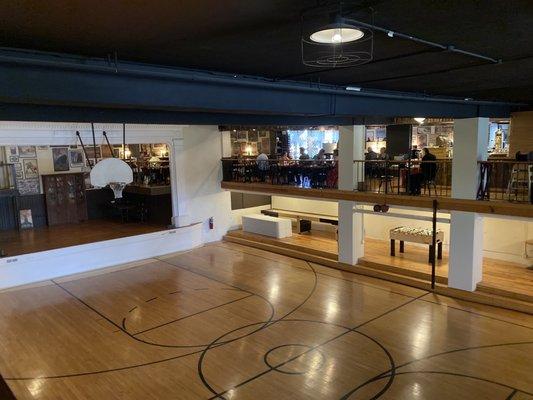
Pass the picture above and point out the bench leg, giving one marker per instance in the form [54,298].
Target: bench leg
[401,246]
[431,253]
[439,251]
[392,248]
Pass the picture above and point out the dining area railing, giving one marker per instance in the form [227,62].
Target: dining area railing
[317,174]
[505,180]
[405,177]
[499,180]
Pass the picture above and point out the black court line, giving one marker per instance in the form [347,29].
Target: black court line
[378,288]
[149,300]
[220,394]
[192,315]
[488,346]
[322,273]
[476,313]
[456,374]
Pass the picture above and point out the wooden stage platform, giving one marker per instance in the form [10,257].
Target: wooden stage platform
[504,283]
[15,243]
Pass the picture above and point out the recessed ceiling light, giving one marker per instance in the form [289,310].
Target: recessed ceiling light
[337,34]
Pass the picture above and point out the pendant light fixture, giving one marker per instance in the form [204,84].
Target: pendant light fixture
[328,41]
[337,33]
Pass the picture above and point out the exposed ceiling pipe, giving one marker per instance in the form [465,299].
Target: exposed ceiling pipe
[429,43]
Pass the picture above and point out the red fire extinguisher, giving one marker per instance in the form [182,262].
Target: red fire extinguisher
[211,223]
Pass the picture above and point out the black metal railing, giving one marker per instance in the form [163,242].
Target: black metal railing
[409,177]
[501,180]
[321,174]
[505,180]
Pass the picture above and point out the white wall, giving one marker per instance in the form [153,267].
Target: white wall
[503,238]
[196,175]
[199,173]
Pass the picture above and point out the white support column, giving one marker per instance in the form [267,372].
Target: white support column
[466,233]
[351,229]
[179,206]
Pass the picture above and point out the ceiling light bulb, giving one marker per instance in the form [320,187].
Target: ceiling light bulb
[335,34]
[420,120]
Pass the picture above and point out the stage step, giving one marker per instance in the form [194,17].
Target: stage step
[485,294]
[403,271]
[276,242]
[490,289]
[274,248]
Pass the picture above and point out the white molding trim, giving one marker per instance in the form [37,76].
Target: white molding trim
[56,133]
[50,264]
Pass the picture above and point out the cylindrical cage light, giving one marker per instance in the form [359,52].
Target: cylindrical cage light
[329,42]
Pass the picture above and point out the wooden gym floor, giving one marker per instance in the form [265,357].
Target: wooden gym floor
[232,322]
[499,277]
[27,241]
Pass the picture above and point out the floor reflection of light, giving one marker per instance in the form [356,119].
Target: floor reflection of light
[332,310]
[416,391]
[421,338]
[273,287]
[36,386]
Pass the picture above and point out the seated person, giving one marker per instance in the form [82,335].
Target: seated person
[303,154]
[415,153]
[383,155]
[321,155]
[428,172]
[371,154]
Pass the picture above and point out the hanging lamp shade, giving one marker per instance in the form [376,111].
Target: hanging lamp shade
[328,42]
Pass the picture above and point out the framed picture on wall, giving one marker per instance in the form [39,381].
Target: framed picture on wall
[27,151]
[76,158]
[422,140]
[18,171]
[265,145]
[12,151]
[91,152]
[26,219]
[31,171]
[60,158]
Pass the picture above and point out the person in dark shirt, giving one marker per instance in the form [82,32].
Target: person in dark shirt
[371,154]
[303,154]
[428,165]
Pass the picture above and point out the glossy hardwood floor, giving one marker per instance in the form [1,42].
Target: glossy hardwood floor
[53,237]
[498,275]
[231,322]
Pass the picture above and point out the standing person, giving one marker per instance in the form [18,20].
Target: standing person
[300,176]
[428,165]
[262,165]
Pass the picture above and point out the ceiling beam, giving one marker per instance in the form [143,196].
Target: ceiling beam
[69,81]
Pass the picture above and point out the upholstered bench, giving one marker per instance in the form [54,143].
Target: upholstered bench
[416,235]
[267,225]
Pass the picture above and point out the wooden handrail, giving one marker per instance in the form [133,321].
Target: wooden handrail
[443,203]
